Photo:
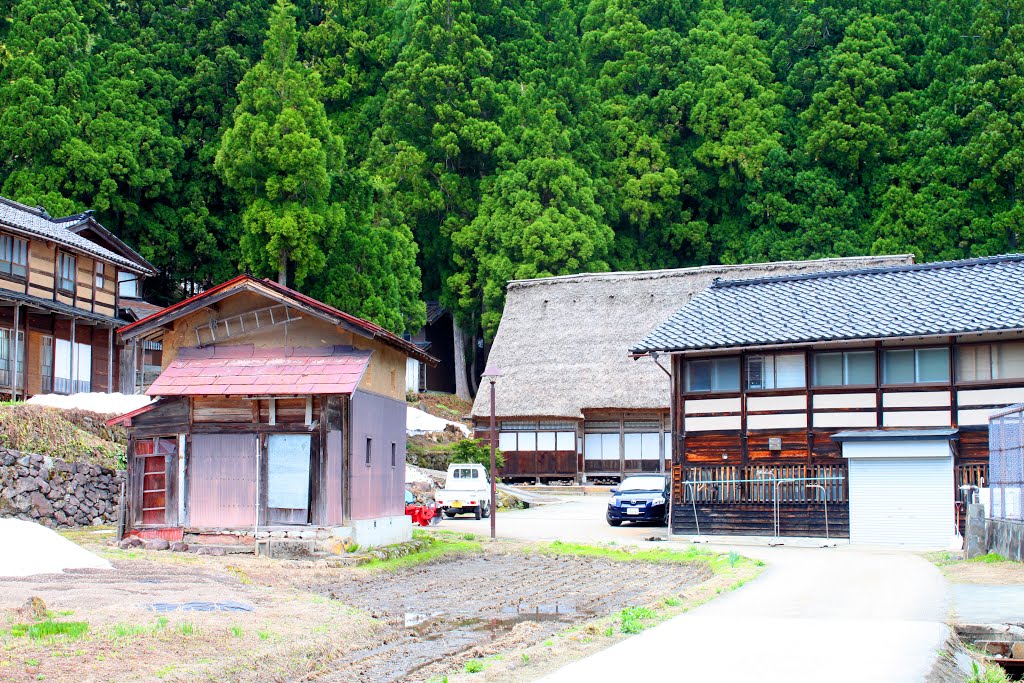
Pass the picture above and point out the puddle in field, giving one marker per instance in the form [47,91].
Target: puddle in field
[507,617]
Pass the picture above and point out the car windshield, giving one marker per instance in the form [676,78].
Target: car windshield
[643,484]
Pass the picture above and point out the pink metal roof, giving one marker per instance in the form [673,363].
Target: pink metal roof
[243,370]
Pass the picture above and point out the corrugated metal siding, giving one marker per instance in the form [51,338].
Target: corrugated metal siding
[377,489]
[906,502]
[222,480]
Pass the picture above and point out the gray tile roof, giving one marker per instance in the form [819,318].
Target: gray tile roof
[34,221]
[952,297]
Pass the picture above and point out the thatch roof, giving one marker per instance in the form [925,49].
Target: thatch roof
[563,342]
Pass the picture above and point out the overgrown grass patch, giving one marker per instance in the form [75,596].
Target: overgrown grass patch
[439,545]
[71,630]
[988,558]
[716,561]
[632,619]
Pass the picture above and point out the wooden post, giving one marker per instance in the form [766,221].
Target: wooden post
[13,353]
[110,360]
[72,389]
[135,367]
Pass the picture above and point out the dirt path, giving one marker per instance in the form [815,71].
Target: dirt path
[440,614]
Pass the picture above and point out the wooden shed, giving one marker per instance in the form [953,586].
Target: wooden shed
[274,412]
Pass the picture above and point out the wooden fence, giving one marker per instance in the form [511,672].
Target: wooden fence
[729,484]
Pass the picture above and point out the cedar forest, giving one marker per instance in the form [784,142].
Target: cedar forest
[377,153]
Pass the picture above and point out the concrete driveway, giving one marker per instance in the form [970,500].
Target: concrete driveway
[815,614]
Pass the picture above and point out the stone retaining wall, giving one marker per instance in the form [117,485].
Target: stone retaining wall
[986,535]
[55,492]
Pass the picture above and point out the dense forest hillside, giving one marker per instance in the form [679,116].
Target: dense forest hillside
[387,151]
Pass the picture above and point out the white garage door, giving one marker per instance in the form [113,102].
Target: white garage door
[901,501]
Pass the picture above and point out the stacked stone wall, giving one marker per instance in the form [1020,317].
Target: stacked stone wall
[55,492]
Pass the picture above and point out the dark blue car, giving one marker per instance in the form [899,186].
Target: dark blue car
[639,498]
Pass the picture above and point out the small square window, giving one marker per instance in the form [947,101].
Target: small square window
[394,454]
[100,279]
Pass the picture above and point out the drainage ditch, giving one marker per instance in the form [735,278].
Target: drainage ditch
[1002,644]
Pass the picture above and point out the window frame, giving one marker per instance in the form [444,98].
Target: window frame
[775,372]
[815,386]
[955,364]
[99,275]
[713,359]
[14,242]
[61,256]
[883,381]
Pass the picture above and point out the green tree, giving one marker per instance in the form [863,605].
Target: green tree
[475,452]
[282,157]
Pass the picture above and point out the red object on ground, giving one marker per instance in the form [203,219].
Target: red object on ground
[246,371]
[169,534]
[422,514]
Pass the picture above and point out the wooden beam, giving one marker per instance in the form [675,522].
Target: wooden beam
[13,353]
[110,360]
[72,388]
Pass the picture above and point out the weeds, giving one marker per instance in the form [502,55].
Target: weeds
[988,558]
[237,631]
[990,674]
[526,659]
[72,630]
[439,546]
[264,634]
[672,601]
[474,666]
[734,557]
[187,629]
[243,578]
[633,618]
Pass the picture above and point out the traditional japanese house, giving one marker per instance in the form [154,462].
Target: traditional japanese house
[63,286]
[437,338]
[571,404]
[275,412]
[868,390]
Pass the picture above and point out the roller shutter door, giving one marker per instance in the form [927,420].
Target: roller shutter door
[902,501]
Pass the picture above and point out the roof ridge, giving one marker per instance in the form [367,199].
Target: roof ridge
[876,270]
[706,268]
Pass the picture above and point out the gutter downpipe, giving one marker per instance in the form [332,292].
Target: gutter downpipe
[671,431]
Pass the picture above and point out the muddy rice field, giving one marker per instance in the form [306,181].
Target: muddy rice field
[485,604]
[173,617]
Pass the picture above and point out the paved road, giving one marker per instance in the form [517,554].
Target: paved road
[816,614]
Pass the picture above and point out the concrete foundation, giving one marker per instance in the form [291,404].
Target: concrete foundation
[993,535]
[372,533]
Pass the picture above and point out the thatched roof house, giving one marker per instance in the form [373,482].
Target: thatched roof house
[563,346]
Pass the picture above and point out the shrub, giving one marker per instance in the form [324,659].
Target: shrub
[475,452]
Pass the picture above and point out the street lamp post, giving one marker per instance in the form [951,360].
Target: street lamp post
[492,374]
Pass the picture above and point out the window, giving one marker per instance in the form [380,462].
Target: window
[128,284]
[781,371]
[46,363]
[13,256]
[5,359]
[718,374]
[100,280]
[983,362]
[916,366]
[369,450]
[63,382]
[844,368]
[394,454]
[465,473]
[66,272]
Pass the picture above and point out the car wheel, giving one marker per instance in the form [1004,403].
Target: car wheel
[476,512]
[487,511]
[615,522]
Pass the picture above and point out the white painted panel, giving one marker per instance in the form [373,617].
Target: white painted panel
[903,502]
[974,416]
[903,448]
[777,402]
[704,424]
[915,399]
[712,405]
[844,419]
[507,441]
[917,418]
[778,421]
[827,401]
[990,397]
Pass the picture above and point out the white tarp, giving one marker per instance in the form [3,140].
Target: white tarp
[115,404]
[420,422]
[31,549]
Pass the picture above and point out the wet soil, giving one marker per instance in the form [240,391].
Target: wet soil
[440,614]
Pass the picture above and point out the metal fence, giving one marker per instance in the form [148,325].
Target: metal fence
[1006,463]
